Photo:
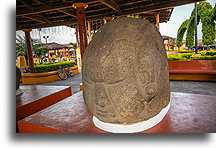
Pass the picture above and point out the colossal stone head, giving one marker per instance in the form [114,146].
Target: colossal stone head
[125,76]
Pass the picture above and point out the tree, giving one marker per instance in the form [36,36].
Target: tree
[181,32]
[21,49]
[39,30]
[172,41]
[37,47]
[207,15]
[73,46]
[40,52]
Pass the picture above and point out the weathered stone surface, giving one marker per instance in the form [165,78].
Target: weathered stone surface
[125,76]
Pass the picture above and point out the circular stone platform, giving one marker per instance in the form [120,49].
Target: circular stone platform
[138,127]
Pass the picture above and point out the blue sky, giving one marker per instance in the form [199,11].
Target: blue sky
[64,35]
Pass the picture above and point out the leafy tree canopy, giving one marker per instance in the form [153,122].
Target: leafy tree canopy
[74,46]
[207,15]
[38,49]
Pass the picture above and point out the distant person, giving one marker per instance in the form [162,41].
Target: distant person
[61,58]
[45,60]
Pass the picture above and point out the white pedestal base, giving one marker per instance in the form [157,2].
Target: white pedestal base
[137,127]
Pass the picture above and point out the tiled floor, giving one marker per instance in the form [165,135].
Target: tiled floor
[71,81]
[189,113]
[192,87]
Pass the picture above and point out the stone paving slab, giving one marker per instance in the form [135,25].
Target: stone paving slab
[192,87]
[189,113]
[71,81]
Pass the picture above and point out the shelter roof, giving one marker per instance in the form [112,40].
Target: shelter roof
[32,14]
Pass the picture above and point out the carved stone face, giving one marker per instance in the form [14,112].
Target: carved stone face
[125,76]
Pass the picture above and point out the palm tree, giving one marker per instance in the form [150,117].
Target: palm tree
[172,41]
[39,29]
[38,49]
[21,49]
[73,46]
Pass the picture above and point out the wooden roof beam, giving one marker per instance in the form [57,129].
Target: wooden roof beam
[68,12]
[40,17]
[42,20]
[45,2]
[162,5]
[112,4]
[43,9]
[20,27]
[157,5]
[63,11]
[25,3]
[33,26]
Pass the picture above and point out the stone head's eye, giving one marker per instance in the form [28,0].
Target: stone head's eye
[151,89]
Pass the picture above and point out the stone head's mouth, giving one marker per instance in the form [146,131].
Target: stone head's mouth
[103,106]
[104,110]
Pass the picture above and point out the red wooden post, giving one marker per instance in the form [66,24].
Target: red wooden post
[49,56]
[107,19]
[89,30]
[64,52]
[29,49]
[81,19]
[157,20]
[68,52]
[77,36]
[55,52]
[168,44]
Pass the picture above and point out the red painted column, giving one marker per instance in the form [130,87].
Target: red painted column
[89,30]
[64,52]
[29,49]
[157,20]
[55,52]
[107,19]
[81,19]
[49,54]
[69,53]
[168,44]
[77,36]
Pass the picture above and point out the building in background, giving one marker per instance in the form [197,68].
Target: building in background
[60,49]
